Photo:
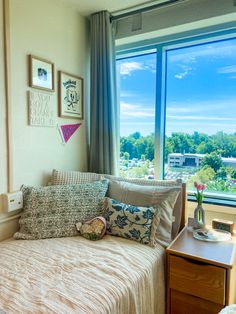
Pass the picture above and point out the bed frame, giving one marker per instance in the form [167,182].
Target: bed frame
[184,211]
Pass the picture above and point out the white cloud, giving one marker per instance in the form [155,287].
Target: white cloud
[186,70]
[189,56]
[126,107]
[181,75]
[150,65]
[136,111]
[200,108]
[227,69]
[201,118]
[126,68]
[128,94]
[179,109]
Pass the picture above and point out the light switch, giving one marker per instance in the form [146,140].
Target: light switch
[12,201]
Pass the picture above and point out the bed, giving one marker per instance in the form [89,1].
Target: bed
[75,275]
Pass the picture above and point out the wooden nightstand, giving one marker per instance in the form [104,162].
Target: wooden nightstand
[201,276]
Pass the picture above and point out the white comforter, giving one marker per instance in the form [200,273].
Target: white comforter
[75,275]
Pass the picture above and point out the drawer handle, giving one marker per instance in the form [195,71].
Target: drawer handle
[196,262]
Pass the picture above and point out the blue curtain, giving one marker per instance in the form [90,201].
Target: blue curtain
[104,109]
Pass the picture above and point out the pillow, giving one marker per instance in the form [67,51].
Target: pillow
[177,212]
[75,177]
[163,198]
[53,211]
[93,229]
[131,222]
[60,177]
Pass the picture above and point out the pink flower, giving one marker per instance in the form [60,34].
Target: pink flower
[201,187]
[234,180]
[199,194]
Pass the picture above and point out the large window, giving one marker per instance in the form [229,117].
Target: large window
[137,79]
[198,102]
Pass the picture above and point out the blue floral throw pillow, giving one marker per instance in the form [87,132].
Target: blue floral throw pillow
[131,222]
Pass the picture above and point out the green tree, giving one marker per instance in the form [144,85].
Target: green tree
[233,174]
[136,135]
[204,175]
[127,145]
[222,173]
[212,160]
[126,155]
[149,151]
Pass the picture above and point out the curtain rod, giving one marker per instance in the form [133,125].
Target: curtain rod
[144,9]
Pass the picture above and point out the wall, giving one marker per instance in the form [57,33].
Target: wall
[171,20]
[54,31]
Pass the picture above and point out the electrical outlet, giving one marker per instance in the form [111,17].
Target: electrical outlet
[12,201]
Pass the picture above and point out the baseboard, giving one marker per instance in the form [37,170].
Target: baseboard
[5,219]
[8,226]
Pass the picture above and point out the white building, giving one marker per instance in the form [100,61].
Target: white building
[229,162]
[184,160]
[194,160]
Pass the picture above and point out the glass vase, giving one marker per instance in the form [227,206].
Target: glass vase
[199,216]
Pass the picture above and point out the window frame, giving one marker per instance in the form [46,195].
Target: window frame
[183,41]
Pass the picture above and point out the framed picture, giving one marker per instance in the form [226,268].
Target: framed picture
[70,95]
[41,73]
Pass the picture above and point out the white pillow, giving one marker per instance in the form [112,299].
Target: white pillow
[161,198]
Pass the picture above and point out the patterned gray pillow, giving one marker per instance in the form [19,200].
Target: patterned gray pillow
[53,211]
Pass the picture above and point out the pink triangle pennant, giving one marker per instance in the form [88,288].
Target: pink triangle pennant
[67,130]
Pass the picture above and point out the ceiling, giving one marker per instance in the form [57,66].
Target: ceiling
[87,7]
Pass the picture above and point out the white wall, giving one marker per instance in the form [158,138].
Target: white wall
[54,31]
[181,17]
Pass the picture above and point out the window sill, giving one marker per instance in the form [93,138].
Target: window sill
[212,208]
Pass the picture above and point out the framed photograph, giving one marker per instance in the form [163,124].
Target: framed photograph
[70,95]
[41,73]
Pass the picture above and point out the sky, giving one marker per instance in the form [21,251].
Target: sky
[200,90]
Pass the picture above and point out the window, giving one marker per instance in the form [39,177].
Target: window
[137,79]
[187,107]
[201,116]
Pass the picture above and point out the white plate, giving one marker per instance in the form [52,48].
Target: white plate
[212,235]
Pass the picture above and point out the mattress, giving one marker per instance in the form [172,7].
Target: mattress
[75,275]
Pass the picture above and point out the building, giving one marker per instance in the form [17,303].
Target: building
[194,160]
[229,162]
[184,160]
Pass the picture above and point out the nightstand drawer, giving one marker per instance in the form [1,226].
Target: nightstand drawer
[181,303]
[197,278]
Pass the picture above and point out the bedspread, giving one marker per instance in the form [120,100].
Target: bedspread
[75,275]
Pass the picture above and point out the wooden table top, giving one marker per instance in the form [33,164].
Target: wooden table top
[216,253]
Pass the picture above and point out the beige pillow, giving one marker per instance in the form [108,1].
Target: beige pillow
[162,198]
[62,177]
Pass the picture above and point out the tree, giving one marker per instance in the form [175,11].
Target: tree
[212,160]
[233,174]
[127,145]
[222,173]
[126,156]
[136,135]
[204,175]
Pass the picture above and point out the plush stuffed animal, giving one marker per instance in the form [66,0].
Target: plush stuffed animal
[93,229]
